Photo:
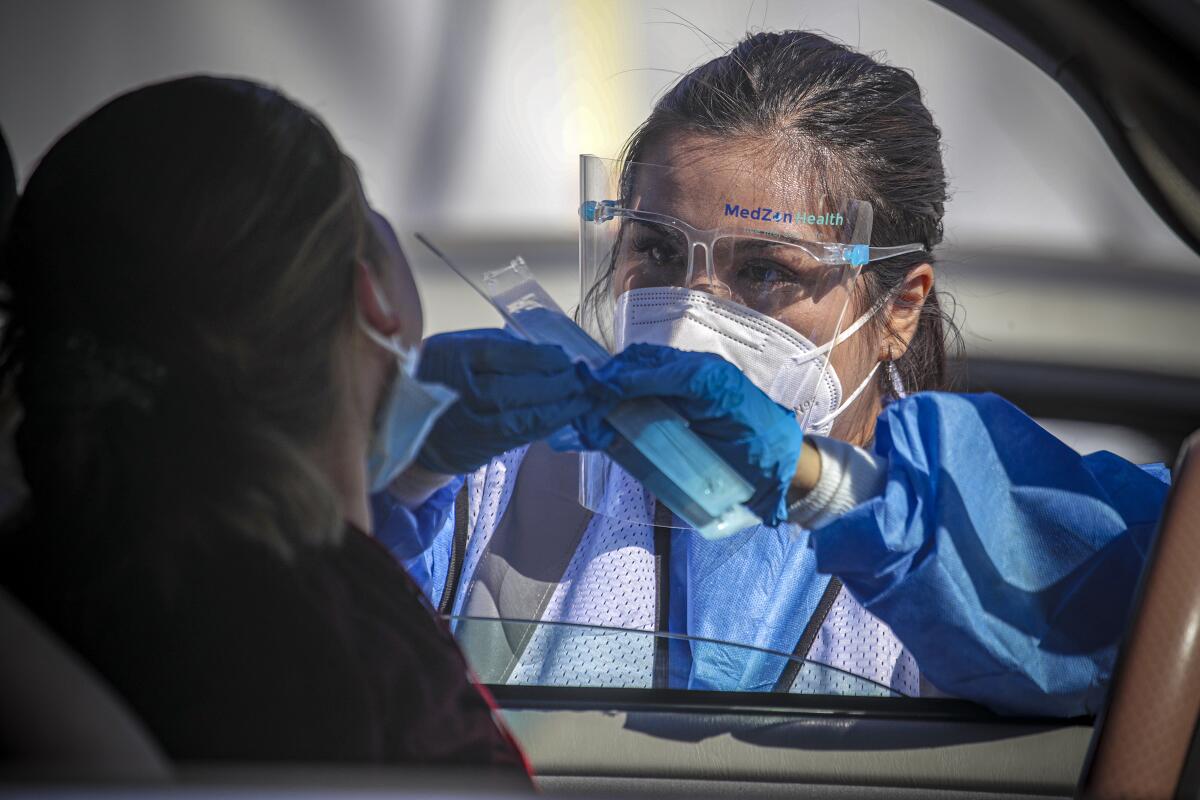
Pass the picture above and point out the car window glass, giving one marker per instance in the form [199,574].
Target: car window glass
[1049,315]
[592,656]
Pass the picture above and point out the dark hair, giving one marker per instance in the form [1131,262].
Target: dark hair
[180,268]
[858,124]
[8,183]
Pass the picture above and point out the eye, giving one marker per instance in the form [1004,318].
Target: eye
[660,250]
[765,272]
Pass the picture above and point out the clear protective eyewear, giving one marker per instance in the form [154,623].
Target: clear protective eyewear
[778,249]
[736,261]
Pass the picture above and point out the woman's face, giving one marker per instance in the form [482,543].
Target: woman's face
[704,179]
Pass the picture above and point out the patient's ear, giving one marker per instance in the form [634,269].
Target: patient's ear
[904,313]
[375,309]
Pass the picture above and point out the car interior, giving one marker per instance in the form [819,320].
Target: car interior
[64,732]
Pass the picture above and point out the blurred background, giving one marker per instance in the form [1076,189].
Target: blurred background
[467,117]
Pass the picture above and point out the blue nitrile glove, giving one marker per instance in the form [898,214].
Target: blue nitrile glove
[756,436]
[511,393]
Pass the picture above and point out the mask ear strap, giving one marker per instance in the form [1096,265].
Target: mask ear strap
[851,329]
[830,417]
[855,326]
[846,334]
[406,355]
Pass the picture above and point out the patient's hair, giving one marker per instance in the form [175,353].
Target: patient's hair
[180,267]
[8,182]
[860,126]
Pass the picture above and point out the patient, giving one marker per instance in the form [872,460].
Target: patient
[191,270]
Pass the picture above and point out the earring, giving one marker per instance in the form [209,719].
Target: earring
[894,376]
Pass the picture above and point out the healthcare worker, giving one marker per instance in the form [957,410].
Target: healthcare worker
[763,257]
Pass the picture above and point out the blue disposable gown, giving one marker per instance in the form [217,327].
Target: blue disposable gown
[420,538]
[1003,560]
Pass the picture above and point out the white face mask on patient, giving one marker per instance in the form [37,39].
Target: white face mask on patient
[776,358]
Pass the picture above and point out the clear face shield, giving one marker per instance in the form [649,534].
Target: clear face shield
[719,257]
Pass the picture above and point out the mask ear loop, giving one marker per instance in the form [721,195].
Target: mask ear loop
[851,329]
[846,334]
[406,356]
[830,417]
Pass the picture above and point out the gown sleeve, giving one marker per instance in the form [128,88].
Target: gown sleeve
[421,537]
[1002,559]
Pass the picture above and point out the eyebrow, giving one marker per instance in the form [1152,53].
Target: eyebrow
[660,228]
[759,244]
[778,238]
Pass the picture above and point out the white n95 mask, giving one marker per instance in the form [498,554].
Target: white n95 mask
[789,368]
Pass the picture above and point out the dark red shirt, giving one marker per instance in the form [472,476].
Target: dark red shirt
[227,650]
